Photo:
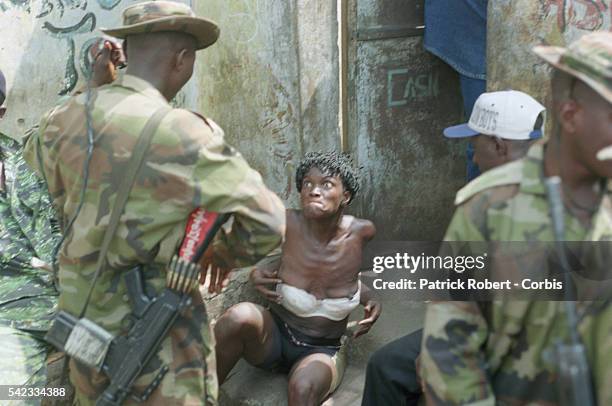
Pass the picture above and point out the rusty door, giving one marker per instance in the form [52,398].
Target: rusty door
[400,98]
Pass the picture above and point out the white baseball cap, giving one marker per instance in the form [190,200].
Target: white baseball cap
[510,115]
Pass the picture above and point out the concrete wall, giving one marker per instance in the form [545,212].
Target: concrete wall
[516,26]
[42,53]
[271,82]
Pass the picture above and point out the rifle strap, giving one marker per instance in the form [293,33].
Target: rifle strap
[136,160]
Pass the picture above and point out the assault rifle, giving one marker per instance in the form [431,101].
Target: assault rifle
[123,358]
[575,384]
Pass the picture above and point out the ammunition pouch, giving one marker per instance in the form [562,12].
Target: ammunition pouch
[81,339]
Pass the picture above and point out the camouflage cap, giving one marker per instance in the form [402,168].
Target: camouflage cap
[588,59]
[159,16]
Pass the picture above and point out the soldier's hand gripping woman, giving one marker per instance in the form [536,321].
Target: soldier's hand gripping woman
[311,288]
[188,166]
[507,351]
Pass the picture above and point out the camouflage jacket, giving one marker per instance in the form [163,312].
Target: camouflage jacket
[189,165]
[28,231]
[499,355]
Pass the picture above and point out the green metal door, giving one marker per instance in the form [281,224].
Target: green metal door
[400,98]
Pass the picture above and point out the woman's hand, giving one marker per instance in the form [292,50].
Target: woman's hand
[372,311]
[262,278]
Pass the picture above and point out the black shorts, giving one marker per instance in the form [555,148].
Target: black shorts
[290,346]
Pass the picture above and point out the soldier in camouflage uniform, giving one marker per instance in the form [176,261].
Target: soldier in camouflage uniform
[495,353]
[189,165]
[391,374]
[28,235]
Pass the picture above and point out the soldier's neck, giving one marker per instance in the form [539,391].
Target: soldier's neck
[155,78]
[581,188]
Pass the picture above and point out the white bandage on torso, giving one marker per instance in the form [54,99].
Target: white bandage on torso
[304,304]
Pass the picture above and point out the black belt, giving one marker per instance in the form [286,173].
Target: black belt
[301,339]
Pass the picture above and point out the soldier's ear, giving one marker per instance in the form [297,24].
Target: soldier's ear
[501,148]
[182,58]
[567,110]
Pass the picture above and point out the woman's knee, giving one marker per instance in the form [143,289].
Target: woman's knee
[241,318]
[302,389]
[311,379]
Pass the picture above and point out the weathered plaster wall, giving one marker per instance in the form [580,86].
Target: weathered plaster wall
[42,53]
[271,82]
[516,26]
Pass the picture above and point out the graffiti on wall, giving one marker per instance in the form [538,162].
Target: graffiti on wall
[67,34]
[60,6]
[404,86]
[51,15]
[589,15]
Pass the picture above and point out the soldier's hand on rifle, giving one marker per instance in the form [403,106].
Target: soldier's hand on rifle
[219,275]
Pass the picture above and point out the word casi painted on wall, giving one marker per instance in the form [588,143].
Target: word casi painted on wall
[404,87]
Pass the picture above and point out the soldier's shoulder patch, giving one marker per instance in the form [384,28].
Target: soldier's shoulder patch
[508,174]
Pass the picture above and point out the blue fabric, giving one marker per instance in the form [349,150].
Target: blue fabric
[472,170]
[471,89]
[459,131]
[455,31]
[536,134]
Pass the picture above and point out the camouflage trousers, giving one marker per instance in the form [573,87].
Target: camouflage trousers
[189,353]
[23,361]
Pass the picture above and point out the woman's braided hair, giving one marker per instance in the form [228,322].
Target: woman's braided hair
[331,163]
